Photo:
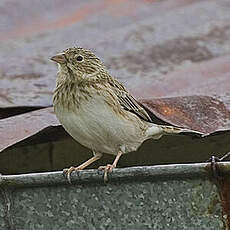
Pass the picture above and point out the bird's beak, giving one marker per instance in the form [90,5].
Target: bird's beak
[59,58]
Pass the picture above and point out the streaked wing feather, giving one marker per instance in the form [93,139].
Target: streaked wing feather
[129,103]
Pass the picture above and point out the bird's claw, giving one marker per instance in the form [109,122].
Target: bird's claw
[108,168]
[67,172]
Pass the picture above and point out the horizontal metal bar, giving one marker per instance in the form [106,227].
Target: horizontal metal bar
[157,172]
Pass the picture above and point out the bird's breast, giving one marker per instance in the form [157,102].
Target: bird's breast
[96,125]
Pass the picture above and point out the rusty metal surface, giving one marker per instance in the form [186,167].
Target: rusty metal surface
[201,113]
[180,56]
[137,43]
[20,127]
[222,181]
[209,78]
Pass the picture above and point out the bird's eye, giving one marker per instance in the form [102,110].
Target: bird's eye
[79,58]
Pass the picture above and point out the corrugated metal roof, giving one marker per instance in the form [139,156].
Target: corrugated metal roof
[180,55]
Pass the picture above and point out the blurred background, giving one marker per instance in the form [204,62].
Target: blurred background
[173,55]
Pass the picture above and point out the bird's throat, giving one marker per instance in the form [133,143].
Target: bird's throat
[70,91]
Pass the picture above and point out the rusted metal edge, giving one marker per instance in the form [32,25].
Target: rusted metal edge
[145,173]
[222,182]
[49,134]
[17,110]
[56,133]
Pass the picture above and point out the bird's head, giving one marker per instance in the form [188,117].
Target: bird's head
[79,61]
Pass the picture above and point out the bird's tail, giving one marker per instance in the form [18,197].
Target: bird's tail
[160,130]
[173,130]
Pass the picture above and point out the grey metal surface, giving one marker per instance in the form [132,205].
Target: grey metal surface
[181,196]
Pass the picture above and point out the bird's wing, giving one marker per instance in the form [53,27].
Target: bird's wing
[128,102]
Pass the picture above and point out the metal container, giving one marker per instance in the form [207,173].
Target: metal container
[179,196]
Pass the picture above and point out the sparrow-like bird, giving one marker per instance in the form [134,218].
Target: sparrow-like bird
[98,111]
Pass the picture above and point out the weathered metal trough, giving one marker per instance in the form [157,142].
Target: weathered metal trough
[179,196]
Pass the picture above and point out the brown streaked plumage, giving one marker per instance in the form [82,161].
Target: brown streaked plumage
[98,111]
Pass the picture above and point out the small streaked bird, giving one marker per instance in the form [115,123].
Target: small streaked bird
[98,111]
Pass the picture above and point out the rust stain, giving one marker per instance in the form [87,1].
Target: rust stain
[225,198]
[66,20]
[222,181]
[212,205]
[167,110]
[201,113]
[63,21]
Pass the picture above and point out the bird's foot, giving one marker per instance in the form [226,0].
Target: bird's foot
[67,172]
[108,168]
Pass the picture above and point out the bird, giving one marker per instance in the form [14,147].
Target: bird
[98,111]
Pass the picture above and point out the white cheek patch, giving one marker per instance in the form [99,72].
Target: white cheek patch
[91,75]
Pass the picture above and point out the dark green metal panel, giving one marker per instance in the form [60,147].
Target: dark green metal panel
[156,197]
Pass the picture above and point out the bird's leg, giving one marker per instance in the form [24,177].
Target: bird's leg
[109,167]
[68,171]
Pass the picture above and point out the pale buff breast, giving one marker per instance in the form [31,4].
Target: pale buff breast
[97,126]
